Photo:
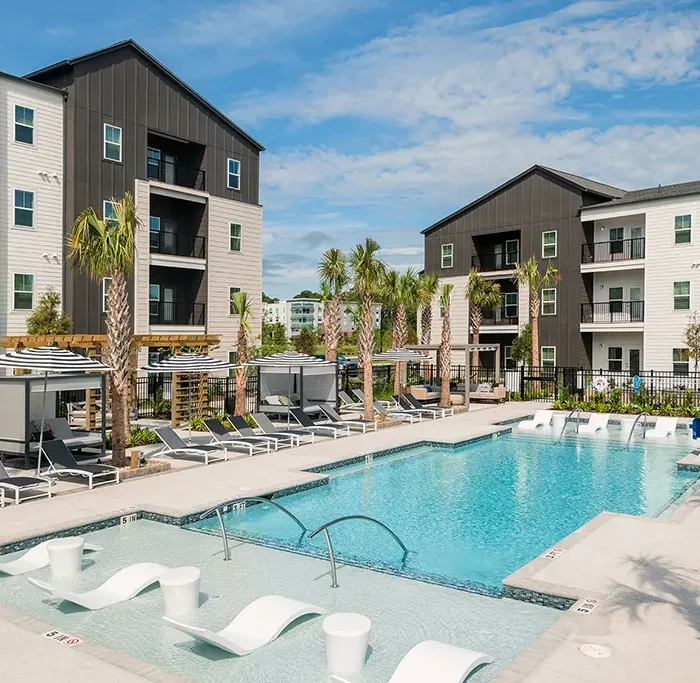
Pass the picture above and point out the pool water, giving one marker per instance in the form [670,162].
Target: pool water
[474,514]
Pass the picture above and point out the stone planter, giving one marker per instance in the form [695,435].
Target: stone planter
[153,467]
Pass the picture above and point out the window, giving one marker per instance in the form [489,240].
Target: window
[508,361]
[615,296]
[109,214]
[113,143]
[231,292]
[549,244]
[154,300]
[154,232]
[512,252]
[680,361]
[549,301]
[24,292]
[24,124]
[548,356]
[683,227]
[233,180]
[681,296]
[106,282]
[153,163]
[615,359]
[510,304]
[446,261]
[24,209]
[235,238]
[616,244]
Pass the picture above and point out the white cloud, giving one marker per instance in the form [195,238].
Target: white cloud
[403,251]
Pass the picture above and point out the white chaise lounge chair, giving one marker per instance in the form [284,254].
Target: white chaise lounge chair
[125,584]
[665,426]
[174,446]
[257,624]
[23,488]
[597,421]
[35,558]
[63,463]
[438,663]
[543,418]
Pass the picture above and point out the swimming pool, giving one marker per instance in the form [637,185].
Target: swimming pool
[470,515]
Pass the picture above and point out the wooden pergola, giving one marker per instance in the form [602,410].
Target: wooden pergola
[94,345]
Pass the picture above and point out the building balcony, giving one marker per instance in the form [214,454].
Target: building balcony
[500,316]
[175,173]
[612,313]
[177,244]
[177,313]
[495,262]
[618,254]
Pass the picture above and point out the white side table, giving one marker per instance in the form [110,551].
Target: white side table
[347,636]
[66,556]
[180,589]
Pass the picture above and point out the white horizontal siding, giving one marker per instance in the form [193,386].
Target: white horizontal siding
[142,198]
[602,341]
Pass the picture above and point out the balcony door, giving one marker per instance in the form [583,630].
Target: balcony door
[168,303]
[615,304]
[637,237]
[636,304]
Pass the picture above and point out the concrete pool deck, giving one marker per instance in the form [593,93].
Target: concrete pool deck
[644,573]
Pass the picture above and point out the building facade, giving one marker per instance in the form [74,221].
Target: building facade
[132,126]
[31,210]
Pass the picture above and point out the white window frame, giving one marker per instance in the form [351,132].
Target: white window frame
[553,362]
[105,293]
[675,362]
[16,291]
[234,174]
[507,351]
[689,229]
[15,207]
[554,301]
[451,255]
[231,237]
[555,244]
[615,360]
[681,296]
[508,253]
[120,144]
[231,292]
[24,125]
[506,305]
[105,203]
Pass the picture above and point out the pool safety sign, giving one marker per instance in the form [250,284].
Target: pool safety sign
[587,606]
[63,638]
[553,553]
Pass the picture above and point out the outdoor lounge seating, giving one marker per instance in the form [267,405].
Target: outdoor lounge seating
[63,463]
[396,414]
[356,423]
[664,427]
[263,421]
[425,392]
[74,439]
[36,558]
[257,624]
[222,437]
[238,422]
[361,396]
[543,418]
[174,446]
[405,404]
[33,487]
[349,403]
[124,585]
[398,408]
[419,406]
[332,430]
[438,663]
[597,421]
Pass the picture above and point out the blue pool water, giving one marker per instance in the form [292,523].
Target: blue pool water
[474,514]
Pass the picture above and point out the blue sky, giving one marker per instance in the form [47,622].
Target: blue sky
[382,116]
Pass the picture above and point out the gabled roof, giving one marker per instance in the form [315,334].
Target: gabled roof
[150,58]
[34,84]
[651,193]
[576,181]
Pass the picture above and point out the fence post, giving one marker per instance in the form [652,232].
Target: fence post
[522,382]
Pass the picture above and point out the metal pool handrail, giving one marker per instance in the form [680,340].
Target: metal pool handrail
[645,415]
[222,528]
[578,422]
[331,556]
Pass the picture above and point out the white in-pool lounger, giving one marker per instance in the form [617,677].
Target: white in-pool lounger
[125,584]
[665,426]
[36,558]
[257,624]
[597,421]
[438,663]
[543,418]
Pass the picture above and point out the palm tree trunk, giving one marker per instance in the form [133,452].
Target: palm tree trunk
[445,359]
[426,324]
[333,329]
[535,322]
[365,347]
[118,350]
[401,335]
[241,372]
[475,354]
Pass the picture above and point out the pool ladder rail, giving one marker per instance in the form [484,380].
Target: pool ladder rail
[644,415]
[566,421]
[324,527]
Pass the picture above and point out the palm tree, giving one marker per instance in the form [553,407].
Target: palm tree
[333,271]
[400,293]
[427,288]
[367,270]
[242,307]
[446,345]
[528,275]
[482,294]
[106,250]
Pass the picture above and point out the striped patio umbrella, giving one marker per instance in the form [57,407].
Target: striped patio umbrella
[49,359]
[400,356]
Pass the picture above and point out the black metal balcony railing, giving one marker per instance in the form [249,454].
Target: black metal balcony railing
[617,250]
[175,174]
[485,262]
[500,316]
[177,244]
[176,313]
[613,312]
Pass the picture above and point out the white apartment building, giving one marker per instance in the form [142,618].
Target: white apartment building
[31,211]
[644,269]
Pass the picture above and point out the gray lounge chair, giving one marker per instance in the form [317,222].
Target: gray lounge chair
[403,403]
[221,436]
[361,395]
[348,403]
[62,463]
[174,446]
[238,422]
[394,414]
[305,421]
[37,487]
[357,423]
[267,427]
[74,439]
[413,401]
